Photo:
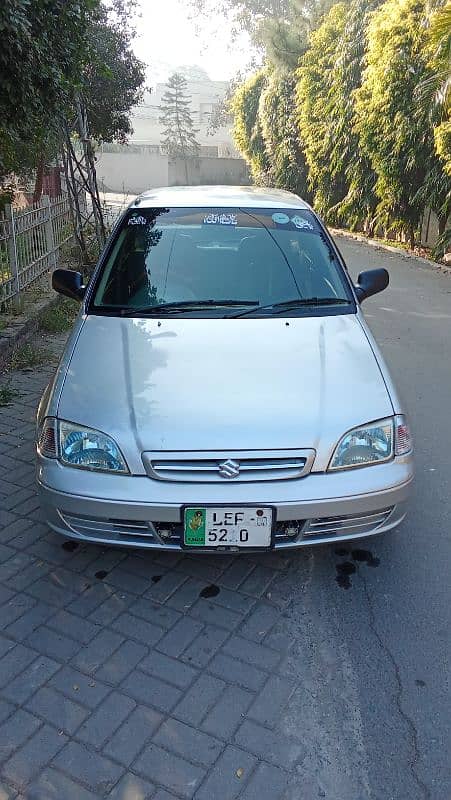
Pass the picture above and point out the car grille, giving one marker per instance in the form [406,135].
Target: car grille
[346,525]
[170,534]
[122,530]
[131,531]
[229,467]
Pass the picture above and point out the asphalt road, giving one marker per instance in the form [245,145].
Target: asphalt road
[377,709]
[146,676]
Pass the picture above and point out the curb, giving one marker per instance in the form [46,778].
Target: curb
[23,328]
[401,253]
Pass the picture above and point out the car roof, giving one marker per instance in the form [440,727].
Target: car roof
[218,197]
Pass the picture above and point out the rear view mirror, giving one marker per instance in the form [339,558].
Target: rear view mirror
[371,282]
[69,283]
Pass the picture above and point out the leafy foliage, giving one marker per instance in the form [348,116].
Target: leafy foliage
[51,51]
[315,79]
[247,130]
[27,356]
[439,40]
[286,39]
[7,395]
[349,168]
[113,78]
[442,140]
[222,114]
[60,317]
[370,81]
[396,136]
[279,28]
[277,113]
[179,134]
[245,14]
[439,84]
[41,58]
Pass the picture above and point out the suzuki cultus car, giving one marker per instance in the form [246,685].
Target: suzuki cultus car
[220,390]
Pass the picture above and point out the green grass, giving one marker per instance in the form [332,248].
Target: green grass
[60,318]
[7,395]
[28,356]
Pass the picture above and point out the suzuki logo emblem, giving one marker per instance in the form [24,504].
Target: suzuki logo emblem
[229,469]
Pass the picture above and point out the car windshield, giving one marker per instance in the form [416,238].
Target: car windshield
[197,259]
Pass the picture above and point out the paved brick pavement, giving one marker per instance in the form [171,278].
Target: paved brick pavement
[133,686]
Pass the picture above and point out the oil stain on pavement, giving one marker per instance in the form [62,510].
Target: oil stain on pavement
[346,568]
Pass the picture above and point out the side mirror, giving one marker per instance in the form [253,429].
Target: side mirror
[371,282]
[69,283]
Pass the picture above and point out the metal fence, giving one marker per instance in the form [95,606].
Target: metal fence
[30,243]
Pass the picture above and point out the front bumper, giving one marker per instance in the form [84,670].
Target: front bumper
[136,511]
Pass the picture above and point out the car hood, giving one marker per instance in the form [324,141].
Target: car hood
[223,384]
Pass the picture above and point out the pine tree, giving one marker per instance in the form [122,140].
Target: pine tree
[179,134]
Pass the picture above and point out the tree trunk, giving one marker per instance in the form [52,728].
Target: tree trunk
[426,237]
[370,225]
[38,180]
[442,225]
[411,237]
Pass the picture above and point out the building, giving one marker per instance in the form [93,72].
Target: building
[142,164]
[205,97]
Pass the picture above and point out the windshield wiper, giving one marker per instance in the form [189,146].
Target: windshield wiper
[298,302]
[183,305]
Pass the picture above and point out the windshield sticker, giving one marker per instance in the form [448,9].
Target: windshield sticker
[281,219]
[300,222]
[221,219]
[137,221]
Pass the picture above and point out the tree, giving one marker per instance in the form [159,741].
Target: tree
[244,14]
[278,28]
[247,130]
[277,115]
[286,39]
[437,89]
[111,83]
[349,168]
[179,134]
[439,43]
[113,79]
[442,139]
[54,51]
[41,59]
[395,133]
[373,154]
[222,114]
[315,79]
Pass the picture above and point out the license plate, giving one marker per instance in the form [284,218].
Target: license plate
[228,527]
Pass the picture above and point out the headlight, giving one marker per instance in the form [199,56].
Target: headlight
[368,444]
[77,446]
[89,449]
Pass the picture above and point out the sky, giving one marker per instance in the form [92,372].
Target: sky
[167,39]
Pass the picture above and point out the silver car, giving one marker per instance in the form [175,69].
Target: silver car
[220,390]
